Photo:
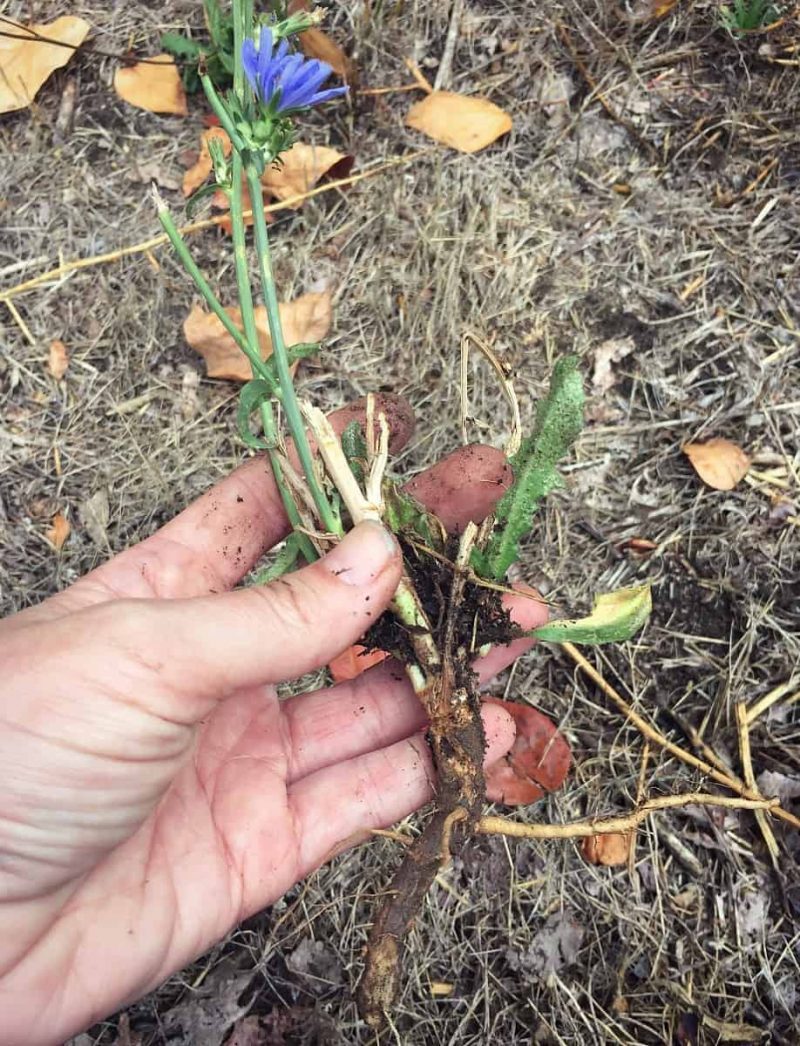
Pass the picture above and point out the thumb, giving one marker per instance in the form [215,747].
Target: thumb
[189,653]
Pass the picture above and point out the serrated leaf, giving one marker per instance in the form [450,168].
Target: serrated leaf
[615,616]
[559,420]
[180,46]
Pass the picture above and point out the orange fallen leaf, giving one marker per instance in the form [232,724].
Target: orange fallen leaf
[316,44]
[464,122]
[301,168]
[26,62]
[609,849]
[202,167]
[154,85]
[58,532]
[306,319]
[58,359]
[353,661]
[538,762]
[719,463]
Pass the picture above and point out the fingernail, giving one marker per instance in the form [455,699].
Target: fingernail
[362,554]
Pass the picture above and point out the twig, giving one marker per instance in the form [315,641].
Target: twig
[205,223]
[506,387]
[418,75]
[750,780]
[652,734]
[444,71]
[624,823]
[769,699]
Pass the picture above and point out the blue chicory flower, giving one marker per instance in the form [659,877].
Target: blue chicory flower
[285,82]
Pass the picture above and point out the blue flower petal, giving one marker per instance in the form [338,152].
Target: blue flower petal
[250,63]
[264,53]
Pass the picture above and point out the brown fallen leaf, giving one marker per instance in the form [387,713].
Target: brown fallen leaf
[316,44]
[353,661]
[58,532]
[718,462]
[301,168]
[306,319]
[202,167]
[609,850]
[464,122]
[538,762]
[154,85]
[57,359]
[26,62]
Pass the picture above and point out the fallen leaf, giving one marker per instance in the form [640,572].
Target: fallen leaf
[555,945]
[538,762]
[203,166]
[353,661]
[615,617]
[154,85]
[94,515]
[26,62]
[607,849]
[608,352]
[306,319]
[464,122]
[58,532]
[316,44]
[730,1031]
[301,168]
[719,463]
[148,171]
[57,359]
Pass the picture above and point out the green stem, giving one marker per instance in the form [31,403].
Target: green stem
[222,113]
[202,284]
[328,517]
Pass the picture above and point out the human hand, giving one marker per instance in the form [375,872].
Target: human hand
[154,791]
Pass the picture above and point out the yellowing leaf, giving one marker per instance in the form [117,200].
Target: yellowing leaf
[608,849]
[301,168]
[154,85]
[719,463]
[463,122]
[58,532]
[441,989]
[615,616]
[26,62]
[201,169]
[316,44]
[306,319]
[57,359]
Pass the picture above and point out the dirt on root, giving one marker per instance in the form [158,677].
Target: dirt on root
[648,192]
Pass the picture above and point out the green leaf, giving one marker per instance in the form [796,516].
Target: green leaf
[198,196]
[615,616]
[405,515]
[559,420]
[180,46]
[284,561]
[355,450]
[253,394]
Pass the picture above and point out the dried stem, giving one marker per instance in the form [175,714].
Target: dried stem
[655,735]
[624,823]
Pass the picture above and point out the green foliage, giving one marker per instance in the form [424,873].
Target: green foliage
[354,447]
[615,617]
[216,57]
[747,15]
[405,515]
[263,390]
[559,420]
[284,561]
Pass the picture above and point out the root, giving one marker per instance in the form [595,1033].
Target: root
[457,741]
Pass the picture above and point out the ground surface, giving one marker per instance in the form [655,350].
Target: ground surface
[644,223]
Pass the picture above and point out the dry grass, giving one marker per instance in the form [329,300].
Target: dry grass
[538,246]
